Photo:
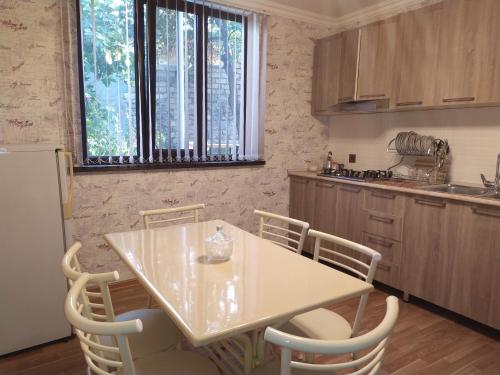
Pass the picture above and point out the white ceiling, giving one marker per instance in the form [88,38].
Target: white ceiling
[329,8]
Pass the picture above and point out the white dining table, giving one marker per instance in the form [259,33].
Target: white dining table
[262,283]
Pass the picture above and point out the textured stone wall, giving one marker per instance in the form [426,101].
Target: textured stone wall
[35,107]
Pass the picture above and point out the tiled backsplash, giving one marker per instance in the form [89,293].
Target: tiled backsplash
[473,135]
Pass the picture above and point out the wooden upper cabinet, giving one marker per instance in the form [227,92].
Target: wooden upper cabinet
[469,52]
[376,59]
[417,58]
[349,49]
[325,85]
[444,54]
[489,75]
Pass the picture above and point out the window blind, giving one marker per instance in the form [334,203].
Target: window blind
[175,82]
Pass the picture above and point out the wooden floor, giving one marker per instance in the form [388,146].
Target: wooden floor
[426,340]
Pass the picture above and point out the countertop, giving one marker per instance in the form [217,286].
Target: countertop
[402,186]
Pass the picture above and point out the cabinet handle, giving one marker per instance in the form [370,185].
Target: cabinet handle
[405,104]
[430,203]
[350,190]
[373,96]
[458,100]
[384,220]
[483,212]
[346,99]
[325,185]
[380,242]
[384,196]
[384,267]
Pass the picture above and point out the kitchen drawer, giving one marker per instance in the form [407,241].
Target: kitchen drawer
[389,249]
[384,201]
[382,224]
[388,274]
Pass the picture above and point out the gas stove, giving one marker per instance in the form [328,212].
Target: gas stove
[350,174]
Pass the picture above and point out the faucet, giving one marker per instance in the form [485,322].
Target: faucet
[493,184]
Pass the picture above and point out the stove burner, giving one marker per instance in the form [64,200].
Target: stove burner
[350,174]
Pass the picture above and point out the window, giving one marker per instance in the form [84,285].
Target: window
[170,81]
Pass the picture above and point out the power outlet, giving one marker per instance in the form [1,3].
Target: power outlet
[352,158]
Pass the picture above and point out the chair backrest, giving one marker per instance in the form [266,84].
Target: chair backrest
[101,359]
[368,362]
[96,302]
[353,264]
[282,230]
[185,213]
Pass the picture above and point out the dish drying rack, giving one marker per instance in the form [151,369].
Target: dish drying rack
[434,152]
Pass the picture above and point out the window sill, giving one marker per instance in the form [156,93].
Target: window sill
[173,166]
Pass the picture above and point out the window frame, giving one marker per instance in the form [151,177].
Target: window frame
[144,35]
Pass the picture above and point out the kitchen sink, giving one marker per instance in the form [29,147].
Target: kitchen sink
[457,189]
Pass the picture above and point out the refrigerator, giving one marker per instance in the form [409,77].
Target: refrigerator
[35,211]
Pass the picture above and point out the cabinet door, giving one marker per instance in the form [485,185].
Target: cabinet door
[325,85]
[301,203]
[348,217]
[325,199]
[468,52]
[376,59]
[429,239]
[417,57]
[348,214]
[349,49]
[489,76]
[474,267]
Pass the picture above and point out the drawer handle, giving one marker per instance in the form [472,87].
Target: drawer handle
[459,100]
[384,220]
[380,242]
[350,190]
[384,267]
[373,96]
[407,104]
[430,203]
[482,212]
[384,196]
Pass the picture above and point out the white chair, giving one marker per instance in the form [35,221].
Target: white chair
[116,357]
[193,210]
[371,346]
[279,230]
[323,323]
[185,213]
[159,331]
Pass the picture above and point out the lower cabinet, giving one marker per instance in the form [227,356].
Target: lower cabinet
[301,204]
[444,251]
[348,216]
[325,205]
[474,270]
[452,257]
[429,245]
